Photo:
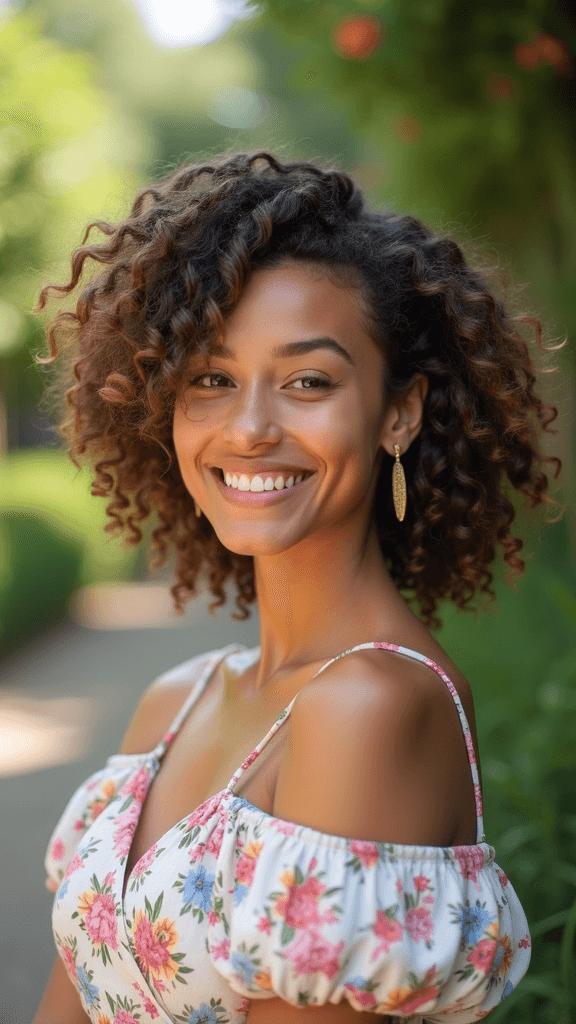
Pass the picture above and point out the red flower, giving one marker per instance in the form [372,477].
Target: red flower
[483,954]
[357,37]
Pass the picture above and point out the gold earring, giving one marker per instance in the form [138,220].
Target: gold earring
[198,510]
[399,485]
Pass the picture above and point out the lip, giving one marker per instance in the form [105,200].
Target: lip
[256,497]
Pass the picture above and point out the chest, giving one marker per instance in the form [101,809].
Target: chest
[217,736]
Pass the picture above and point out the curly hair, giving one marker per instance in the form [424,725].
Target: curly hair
[175,269]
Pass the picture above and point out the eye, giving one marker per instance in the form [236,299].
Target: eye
[206,376]
[319,381]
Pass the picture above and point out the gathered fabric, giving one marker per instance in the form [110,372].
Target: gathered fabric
[233,904]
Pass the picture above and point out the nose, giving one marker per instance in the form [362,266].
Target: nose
[251,418]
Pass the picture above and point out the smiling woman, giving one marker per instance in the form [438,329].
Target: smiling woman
[326,404]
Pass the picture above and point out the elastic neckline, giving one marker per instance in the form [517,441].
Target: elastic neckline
[221,656]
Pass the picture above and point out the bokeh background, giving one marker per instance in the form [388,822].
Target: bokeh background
[463,114]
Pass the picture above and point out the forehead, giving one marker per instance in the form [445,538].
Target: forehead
[292,301]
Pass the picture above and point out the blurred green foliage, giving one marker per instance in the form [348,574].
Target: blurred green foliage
[51,541]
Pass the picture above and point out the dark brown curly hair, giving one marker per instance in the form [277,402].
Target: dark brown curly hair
[175,269]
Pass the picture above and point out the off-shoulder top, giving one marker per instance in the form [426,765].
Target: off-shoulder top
[233,904]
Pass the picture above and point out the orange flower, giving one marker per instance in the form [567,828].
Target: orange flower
[263,980]
[103,1019]
[86,900]
[286,879]
[253,849]
[154,944]
[108,789]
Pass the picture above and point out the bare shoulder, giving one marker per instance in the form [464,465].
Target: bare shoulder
[372,753]
[159,705]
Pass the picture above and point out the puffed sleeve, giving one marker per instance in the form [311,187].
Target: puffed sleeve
[82,809]
[408,931]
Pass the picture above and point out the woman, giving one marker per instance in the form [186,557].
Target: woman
[321,402]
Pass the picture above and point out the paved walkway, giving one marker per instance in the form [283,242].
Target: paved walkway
[65,702]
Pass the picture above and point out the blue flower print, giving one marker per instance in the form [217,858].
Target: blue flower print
[203,1015]
[473,921]
[508,988]
[498,958]
[243,967]
[63,889]
[198,888]
[239,894]
[88,991]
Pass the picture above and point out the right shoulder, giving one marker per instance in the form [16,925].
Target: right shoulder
[159,705]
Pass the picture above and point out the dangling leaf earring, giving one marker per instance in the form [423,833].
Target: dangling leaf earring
[399,485]
[198,510]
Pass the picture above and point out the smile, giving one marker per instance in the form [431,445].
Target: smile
[263,497]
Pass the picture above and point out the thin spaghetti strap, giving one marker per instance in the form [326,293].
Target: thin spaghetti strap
[198,688]
[480,838]
[397,648]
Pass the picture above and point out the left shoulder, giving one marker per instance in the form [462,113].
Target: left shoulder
[371,753]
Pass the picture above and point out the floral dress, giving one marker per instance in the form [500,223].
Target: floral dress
[232,904]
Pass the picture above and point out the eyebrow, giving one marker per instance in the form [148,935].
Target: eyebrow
[296,348]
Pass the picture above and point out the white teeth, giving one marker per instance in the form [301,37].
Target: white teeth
[256,483]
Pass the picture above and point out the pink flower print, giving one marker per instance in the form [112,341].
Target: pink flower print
[311,953]
[79,825]
[483,954]
[123,1017]
[251,757]
[367,999]
[421,883]
[145,861]
[125,828]
[245,869]
[137,785]
[212,918]
[159,985]
[470,860]
[92,785]
[300,906]
[470,747]
[214,841]
[287,828]
[148,1004]
[58,850]
[109,880]
[74,865]
[399,886]
[245,1004]
[418,923]
[365,851]
[197,852]
[201,815]
[100,921]
[221,950]
[387,931]
[524,943]
[428,899]
[478,798]
[502,877]
[264,925]
[68,957]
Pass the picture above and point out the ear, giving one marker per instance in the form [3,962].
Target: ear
[404,417]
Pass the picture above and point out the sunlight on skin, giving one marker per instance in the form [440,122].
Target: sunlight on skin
[37,734]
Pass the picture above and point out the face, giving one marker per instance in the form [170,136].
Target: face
[257,410]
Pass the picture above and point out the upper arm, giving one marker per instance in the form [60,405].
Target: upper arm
[373,754]
[60,1002]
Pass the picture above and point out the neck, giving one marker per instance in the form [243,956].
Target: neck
[328,592]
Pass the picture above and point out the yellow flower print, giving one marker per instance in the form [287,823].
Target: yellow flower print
[154,944]
[286,879]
